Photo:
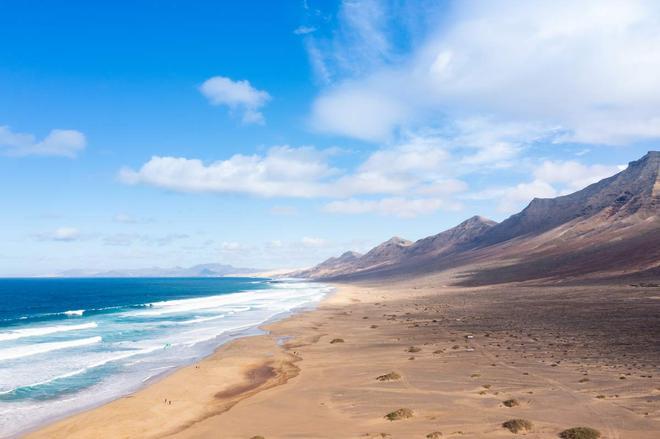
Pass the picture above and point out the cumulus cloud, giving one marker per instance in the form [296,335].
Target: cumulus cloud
[418,167]
[58,143]
[282,171]
[587,71]
[239,96]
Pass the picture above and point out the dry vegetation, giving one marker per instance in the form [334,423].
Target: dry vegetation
[580,433]
[517,425]
[392,376]
[511,403]
[400,414]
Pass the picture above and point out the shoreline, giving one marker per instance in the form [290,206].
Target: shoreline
[151,380]
[225,339]
[314,375]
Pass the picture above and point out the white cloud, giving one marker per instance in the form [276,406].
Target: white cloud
[239,96]
[585,70]
[230,246]
[62,234]
[66,234]
[304,30]
[283,171]
[512,199]
[358,112]
[417,167]
[58,143]
[274,244]
[550,179]
[572,174]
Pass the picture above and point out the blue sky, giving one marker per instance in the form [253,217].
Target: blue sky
[136,134]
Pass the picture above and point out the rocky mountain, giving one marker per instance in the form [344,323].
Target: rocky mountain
[396,251]
[628,193]
[332,266]
[202,270]
[463,234]
[610,228]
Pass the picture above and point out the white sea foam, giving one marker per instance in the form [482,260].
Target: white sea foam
[158,335]
[44,330]
[87,368]
[197,304]
[201,320]
[40,348]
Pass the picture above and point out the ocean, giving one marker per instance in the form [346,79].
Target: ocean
[69,344]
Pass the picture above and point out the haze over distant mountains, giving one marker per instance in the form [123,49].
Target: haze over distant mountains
[202,270]
[610,228]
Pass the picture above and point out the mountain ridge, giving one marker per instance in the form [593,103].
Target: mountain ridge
[588,231]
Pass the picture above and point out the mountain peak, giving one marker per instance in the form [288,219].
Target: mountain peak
[395,240]
[649,156]
[624,206]
[477,220]
[349,255]
[631,192]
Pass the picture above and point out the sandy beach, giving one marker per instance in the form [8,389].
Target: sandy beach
[442,361]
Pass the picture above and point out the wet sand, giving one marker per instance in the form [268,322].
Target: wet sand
[561,356]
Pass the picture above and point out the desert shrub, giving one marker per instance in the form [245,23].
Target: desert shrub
[389,377]
[517,425]
[511,403]
[580,433]
[397,415]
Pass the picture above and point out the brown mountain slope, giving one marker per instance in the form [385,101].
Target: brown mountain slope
[464,233]
[397,251]
[609,228]
[331,267]
[630,192]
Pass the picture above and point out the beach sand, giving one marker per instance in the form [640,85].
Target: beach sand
[449,357]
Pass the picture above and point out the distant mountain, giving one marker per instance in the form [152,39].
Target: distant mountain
[202,270]
[332,266]
[610,228]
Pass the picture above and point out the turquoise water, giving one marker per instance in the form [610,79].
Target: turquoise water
[67,344]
